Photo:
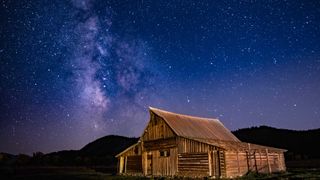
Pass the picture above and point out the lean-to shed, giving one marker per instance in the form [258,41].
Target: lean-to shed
[180,145]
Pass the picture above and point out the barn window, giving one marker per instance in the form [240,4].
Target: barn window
[164,153]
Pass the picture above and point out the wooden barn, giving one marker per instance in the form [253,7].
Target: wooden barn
[181,145]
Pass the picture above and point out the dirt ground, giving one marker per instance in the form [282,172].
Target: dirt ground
[82,173]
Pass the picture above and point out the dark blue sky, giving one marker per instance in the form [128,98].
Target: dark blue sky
[73,71]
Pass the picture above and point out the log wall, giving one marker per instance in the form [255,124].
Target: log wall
[188,148]
[193,164]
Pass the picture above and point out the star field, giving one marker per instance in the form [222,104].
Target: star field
[76,70]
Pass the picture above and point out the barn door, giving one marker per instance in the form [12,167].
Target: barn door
[149,164]
[221,168]
[218,166]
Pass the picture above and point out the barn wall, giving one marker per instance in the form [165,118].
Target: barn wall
[134,164]
[236,163]
[160,144]
[282,162]
[265,160]
[190,146]
[157,129]
[200,159]
[193,164]
[276,161]
[239,163]
[164,166]
[268,162]
[130,162]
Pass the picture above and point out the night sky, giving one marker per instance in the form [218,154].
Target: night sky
[73,71]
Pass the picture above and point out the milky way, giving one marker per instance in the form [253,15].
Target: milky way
[76,70]
[111,76]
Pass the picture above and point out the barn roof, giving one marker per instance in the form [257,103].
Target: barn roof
[128,148]
[231,145]
[195,127]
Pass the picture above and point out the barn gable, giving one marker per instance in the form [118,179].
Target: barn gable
[156,129]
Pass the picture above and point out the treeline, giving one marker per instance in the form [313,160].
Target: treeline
[65,158]
[301,145]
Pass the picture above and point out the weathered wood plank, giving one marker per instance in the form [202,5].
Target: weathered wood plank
[160,144]
[134,164]
[193,163]
[157,129]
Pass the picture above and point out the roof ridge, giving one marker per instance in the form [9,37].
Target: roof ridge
[185,115]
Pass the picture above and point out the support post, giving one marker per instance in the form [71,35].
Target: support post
[121,165]
[238,163]
[279,162]
[214,163]
[260,164]
[125,164]
[210,162]
[249,157]
[145,163]
[269,167]
[255,161]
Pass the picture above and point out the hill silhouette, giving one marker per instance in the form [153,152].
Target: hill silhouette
[99,155]
[100,152]
[110,145]
[300,144]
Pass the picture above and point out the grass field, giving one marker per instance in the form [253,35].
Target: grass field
[76,173]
